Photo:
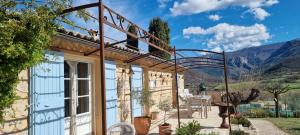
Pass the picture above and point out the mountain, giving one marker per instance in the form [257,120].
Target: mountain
[264,59]
[286,57]
[249,59]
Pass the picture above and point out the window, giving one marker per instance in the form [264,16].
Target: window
[82,80]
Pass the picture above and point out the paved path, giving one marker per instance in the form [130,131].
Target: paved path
[266,127]
[210,124]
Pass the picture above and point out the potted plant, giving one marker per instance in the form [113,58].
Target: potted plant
[142,123]
[165,127]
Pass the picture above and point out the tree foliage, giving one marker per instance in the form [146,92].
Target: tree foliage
[27,29]
[160,29]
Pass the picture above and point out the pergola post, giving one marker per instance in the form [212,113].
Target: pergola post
[226,88]
[176,84]
[102,67]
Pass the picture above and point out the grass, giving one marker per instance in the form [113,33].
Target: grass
[289,125]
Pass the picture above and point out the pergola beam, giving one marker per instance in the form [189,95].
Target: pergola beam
[140,57]
[198,50]
[109,45]
[141,32]
[81,7]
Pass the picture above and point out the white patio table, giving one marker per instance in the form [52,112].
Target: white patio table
[206,100]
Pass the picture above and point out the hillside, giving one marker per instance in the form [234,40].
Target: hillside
[266,59]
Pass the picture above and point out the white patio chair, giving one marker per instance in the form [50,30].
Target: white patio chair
[183,98]
[122,128]
[194,104]
[187,93]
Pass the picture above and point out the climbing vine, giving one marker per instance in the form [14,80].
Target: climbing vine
[26,31]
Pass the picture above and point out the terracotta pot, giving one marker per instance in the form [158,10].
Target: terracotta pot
[165,129]
[142,125]
[154,115]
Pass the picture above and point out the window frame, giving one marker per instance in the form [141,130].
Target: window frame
[73,71]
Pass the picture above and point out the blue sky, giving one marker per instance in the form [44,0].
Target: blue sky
[215,24]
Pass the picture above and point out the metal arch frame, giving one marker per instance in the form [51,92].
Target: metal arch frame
[116,21]
[185,58]
[199,67]
[187,67]
[195,66]
[196,61]
[144,36]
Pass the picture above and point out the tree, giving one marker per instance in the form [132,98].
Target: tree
[161,30]
[27,30]
[132,42]
[276,88]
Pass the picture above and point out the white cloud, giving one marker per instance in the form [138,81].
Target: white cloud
[193,31]
[188,7]
[163,3]
[260,13]
[214,17]
[231,37]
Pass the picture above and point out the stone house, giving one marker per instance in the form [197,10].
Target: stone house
[62,94]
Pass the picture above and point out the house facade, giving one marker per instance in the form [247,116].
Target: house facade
[62,95]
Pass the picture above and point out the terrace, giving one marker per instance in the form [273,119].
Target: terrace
[120,85]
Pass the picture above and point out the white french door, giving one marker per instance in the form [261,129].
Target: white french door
[77,98]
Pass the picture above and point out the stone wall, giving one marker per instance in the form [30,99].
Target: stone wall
[123,91]
[161,85]
[16,120]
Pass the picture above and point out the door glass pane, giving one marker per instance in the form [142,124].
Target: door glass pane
[82,70]
[83,105]
[66,70]
[67,108]
[83,87]
[67,88]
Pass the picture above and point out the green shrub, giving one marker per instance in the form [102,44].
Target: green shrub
[297,114]
[257,113]
[211,133]
[191,128]
[237,132]
[241,120]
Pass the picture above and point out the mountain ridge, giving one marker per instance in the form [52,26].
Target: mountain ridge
[265,59]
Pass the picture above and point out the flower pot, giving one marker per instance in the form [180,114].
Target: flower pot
[154,115]
[165,129]
[142,125]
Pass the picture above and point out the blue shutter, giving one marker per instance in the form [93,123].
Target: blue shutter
[137,86]
[111,93]
[47,96]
